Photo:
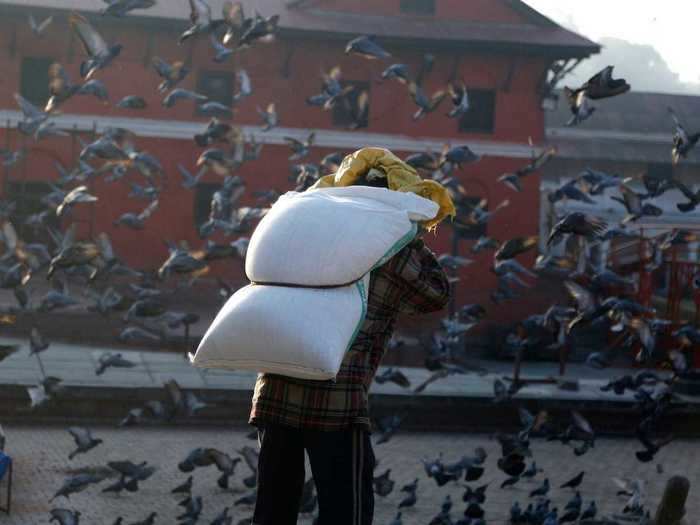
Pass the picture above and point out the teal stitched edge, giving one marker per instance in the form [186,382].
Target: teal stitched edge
[398,246]
[363,297]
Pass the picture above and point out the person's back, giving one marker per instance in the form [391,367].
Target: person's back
[330,419]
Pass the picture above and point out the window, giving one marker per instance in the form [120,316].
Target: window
[479,117]
[27,196]
[418,7]
[217,86]
[203,193]
[463,229]
[34,79]
[346,112]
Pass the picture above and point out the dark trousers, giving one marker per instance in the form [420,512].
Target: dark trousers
[342,465]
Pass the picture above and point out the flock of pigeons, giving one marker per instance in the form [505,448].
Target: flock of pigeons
[601,299]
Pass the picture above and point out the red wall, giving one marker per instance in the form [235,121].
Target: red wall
[517,117]
[517,112]
[466,10]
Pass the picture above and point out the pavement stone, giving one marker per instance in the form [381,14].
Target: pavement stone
[40,455]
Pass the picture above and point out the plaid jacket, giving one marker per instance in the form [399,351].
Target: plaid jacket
[411,282]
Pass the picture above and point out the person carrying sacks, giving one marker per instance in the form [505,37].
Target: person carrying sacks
[330,419]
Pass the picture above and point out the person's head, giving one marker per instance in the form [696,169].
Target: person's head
[373,178]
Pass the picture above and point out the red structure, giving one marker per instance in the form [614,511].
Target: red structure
[502,49]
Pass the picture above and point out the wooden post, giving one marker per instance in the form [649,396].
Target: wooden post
[672,507]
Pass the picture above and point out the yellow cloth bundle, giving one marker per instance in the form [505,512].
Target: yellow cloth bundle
[400,177]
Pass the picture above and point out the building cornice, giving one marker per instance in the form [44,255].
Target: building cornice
[327,138]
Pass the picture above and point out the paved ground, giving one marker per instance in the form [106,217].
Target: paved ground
[76,364]
[41,458]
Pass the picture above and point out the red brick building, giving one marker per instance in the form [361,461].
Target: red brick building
[502,50]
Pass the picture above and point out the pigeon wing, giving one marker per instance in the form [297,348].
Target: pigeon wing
[29,110]
[584,298]
[92,41]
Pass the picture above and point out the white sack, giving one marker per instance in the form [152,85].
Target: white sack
[296,332]
[333,236]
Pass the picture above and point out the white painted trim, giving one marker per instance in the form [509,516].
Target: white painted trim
[344,140]
[606,134]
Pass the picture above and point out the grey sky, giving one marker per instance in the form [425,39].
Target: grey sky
[669,27]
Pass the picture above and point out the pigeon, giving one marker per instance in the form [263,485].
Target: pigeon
[76,196]
[574,482]
[397,519]
[61,88]
[112,360]
[542,490]
[580,106]
[459,97]
[77,483]
[223,518]
[245,88]
[190,181]
[603,85]
[453,262]
[388,426]
[393,376]
[692,196]
[633,204]
[10,158]
[119,8]
[201,19]
[682,141]
[516,513]
[172,74]
[383,485]
[575,502]
[132,102]
[32,116]
[178,94]
[83,439]
[425,104]
[259,28]
[100,55]
[458,155]
[137,221]
[65,516]
[531,471]
[268,116]
[512,180]
[569,191]
[596,182]
[193,508]
[590,512]
[500,391]
[300,149]
[221,52]
[95,88]
[37,342]
[138,334]
[213,107]
[509,482]
[424,161]
[577,223]
[367,47]
[409,500]
[38,28]
[398,72]
[248,499]
[514,247]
